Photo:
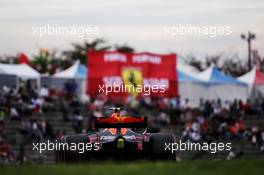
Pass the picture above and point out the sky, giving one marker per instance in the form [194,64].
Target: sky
[140,24]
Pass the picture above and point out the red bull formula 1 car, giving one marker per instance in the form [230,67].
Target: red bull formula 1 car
[117,139]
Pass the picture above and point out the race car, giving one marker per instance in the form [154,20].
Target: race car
[117,138]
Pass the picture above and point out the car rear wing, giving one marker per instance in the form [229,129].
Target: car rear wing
[121,122]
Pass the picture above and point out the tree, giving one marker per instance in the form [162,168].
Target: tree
[213,59]
[40,61]
[9,59]
[79,50]
[45,61]
[193,61]
[124,48]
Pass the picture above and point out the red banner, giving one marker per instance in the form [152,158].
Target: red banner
[119,74]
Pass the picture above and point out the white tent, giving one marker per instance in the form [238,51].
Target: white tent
[221,86]
[77,70]
[23,71]
[191,88]
[186,69]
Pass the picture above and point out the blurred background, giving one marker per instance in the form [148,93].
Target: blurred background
[43,79]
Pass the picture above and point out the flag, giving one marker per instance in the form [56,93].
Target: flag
[118,74]
[23,59]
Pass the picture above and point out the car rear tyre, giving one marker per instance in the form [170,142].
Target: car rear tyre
[74,155]
[158,152]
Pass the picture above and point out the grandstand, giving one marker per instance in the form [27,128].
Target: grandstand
[53,113]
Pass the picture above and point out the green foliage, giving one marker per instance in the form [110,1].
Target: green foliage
[79,50]
[47,62]
[41,61]
[124,48]
[199,167]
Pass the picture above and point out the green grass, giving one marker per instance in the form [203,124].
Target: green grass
[234,167]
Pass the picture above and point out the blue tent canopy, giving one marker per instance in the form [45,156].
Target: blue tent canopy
[218,77]
[77,70]
[213,76]
[183,77]
[81,71]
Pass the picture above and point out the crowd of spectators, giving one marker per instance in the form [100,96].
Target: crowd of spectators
[211,120]
[28,106]
[217,121]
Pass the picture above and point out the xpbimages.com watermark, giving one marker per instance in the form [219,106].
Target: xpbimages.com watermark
[62,146]
[133,89]
[60,30]
[213,147]
[173,147]
[211,31]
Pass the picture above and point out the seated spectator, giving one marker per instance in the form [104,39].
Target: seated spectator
[248,107]
[163,119]
[77,120]
[217,107]
[49,130]
[6,89]
[14,114]
[97,113]
[6,154]
[255,135]
[185,105]
[132,102]
[234,129]
[70,88]
[195,131]
[145,101]
[204,125]
[2,114]
[44,92]
[201,105]
[256,108]
[36,105]
[262,141]
[99,102]
[53,93]
[242,125]
[2,128]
